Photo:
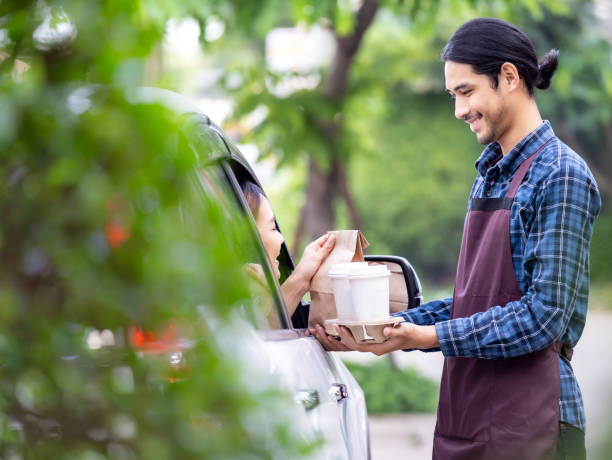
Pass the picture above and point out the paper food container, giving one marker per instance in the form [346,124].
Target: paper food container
[364,331]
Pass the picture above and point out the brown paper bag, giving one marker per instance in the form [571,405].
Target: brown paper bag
[398,294]
[348,248]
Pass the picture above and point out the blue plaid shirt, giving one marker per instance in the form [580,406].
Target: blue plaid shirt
[550,231]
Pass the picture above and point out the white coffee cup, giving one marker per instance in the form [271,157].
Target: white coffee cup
[369,288]
[342,289]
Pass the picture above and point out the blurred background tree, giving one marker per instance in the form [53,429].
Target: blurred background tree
[109,256]
[368,136]
[369,132]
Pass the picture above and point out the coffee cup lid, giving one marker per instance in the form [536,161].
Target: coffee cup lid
[345,268]
[369,270]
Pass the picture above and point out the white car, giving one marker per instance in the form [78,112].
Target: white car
[329,404]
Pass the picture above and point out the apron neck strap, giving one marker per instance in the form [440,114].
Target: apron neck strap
[522,170]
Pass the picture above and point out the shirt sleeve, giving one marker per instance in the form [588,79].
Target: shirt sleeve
[428,314]
[555,258]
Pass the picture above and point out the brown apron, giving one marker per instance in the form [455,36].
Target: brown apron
[495,409]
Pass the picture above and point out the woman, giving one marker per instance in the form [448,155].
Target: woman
[298,283]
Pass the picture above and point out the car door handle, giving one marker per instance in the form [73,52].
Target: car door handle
[307,398]
[338,391]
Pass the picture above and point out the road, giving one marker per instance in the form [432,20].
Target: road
[410,436]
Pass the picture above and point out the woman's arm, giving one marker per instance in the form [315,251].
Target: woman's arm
[298,283]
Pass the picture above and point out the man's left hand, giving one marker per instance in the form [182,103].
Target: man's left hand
[328,342]
[401,337]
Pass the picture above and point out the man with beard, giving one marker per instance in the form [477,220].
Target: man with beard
[520,299]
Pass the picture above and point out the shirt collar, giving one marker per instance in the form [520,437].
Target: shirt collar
[507,165]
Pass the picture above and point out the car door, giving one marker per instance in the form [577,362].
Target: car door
[330,401]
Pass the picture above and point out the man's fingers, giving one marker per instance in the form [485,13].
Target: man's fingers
[329,343]
[346,337]
[390,332]
[376,348]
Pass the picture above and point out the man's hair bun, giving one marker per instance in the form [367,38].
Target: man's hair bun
[546,69]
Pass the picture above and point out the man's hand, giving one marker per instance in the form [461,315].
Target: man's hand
[328,342]
[401,337]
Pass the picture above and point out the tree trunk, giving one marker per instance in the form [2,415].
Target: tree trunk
[318,211]
[323,187]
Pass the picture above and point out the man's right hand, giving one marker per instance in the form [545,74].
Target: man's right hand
[328,342]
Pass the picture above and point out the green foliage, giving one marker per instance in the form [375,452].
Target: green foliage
[601,249]
[600,294]
[410,162]
[427,166]
[295,125]
[392,391]
[104,235]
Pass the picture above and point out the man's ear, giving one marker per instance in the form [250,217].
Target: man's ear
[509,77]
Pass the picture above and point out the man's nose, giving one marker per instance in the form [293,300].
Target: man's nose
[461,109]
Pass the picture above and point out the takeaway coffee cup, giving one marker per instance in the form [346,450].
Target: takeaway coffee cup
[341,287]
[369,288]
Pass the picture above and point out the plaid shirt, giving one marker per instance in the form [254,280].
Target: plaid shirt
[550,231]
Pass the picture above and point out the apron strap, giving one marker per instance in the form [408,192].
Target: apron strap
[567,351]
[520,173]
[564,350]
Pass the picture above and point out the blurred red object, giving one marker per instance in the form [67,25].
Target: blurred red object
[116,235]
[149,342]
[116,232]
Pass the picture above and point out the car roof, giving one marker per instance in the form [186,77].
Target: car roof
[183,106]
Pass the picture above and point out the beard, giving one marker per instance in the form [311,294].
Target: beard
[494,124]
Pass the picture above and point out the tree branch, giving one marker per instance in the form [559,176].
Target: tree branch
[347,46]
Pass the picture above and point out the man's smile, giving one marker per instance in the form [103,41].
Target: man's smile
[473,121]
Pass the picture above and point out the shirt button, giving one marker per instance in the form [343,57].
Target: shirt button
[488,192]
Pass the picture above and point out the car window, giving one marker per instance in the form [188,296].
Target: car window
[215,182]
[299,319]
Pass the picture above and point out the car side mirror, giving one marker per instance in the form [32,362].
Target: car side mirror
[404,285]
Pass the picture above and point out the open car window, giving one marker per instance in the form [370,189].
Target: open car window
[215,182]
[299,319]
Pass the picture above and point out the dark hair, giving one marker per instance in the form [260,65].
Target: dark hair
[253,194]
[487,43]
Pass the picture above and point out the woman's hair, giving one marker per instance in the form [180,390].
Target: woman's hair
[253,194]
[487,43]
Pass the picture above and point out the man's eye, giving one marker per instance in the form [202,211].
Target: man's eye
[467,93]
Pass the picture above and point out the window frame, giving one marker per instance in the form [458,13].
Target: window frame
[210,135]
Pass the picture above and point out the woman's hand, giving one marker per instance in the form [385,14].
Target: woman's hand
[314,255]
[298,283]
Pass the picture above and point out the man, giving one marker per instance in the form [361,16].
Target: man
[520,299]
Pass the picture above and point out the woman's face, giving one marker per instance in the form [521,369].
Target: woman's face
[271,238]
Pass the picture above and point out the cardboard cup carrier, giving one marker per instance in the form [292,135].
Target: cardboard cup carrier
[348,291]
